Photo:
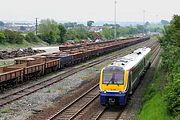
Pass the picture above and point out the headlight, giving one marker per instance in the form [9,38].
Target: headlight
[123,91]
[103,91]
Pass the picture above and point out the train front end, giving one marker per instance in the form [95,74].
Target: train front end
[113,86]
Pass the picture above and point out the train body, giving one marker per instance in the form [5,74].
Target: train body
[33,67]
[119,79]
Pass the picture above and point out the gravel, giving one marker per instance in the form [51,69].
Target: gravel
[36,102]
[44,98]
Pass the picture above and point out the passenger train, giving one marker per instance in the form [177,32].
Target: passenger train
[119,79]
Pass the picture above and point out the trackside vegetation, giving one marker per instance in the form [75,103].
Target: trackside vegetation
[162,97]
[52,32]
[154,106]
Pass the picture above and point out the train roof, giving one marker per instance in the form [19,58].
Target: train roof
[131,60]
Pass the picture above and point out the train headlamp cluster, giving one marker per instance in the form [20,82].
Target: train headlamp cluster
[103,91]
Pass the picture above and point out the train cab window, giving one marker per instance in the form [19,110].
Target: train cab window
[113,77]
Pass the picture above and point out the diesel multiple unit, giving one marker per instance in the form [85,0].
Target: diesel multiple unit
[120,78]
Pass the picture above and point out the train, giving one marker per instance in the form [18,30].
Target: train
[28,68]
[119,79]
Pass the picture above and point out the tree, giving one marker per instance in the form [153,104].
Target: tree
[2,38]
[70,24]
[48,28]
[10,36]
[70,34]
[132,30]
[18,38]
[76,34]
[140,28]
[164,22]
[107,33]
[170,42]
[89,23]
[62,32]
[52,39]
[147,23]
[81,33]
[13,37]
[112,25]
[1,23]
[31,37]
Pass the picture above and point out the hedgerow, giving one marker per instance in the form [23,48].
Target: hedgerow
[170,42]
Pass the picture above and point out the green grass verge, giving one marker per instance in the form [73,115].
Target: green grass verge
[154,106]
[154,109]
[25,44]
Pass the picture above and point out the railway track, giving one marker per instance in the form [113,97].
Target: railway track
[109,114]
[8,98]
[73,109]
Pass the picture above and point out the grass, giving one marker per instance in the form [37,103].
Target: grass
[49,91]
[4,110]
[25,44]
[154,106]
[154,109]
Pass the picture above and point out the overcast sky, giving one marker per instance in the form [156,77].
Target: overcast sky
[83,10]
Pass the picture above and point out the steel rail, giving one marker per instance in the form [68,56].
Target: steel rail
[73,102]
[42,84]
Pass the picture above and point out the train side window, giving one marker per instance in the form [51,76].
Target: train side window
[137,70]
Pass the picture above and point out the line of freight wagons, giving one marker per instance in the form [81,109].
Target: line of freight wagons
[33,67]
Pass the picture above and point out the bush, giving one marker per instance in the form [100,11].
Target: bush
[170,63]
[172,96]
[13,37]
[2,38]
[31,37]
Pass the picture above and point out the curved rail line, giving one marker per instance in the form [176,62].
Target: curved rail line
[8,98]
[76,107]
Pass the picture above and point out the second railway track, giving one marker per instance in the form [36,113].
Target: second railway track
[5,99]
[75,109]
[115,113]
[77,106]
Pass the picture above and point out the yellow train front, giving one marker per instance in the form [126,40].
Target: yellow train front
[119,79]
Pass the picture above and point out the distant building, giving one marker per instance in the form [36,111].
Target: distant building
[20,27]
[95,28]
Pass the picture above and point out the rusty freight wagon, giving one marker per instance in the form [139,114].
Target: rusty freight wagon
[10,75]
[33,67]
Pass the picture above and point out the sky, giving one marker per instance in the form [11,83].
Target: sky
[84,10]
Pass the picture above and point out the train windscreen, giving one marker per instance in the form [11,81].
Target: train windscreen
[113,76]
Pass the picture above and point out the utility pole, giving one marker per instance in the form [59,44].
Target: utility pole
[36,25]
[115,32]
